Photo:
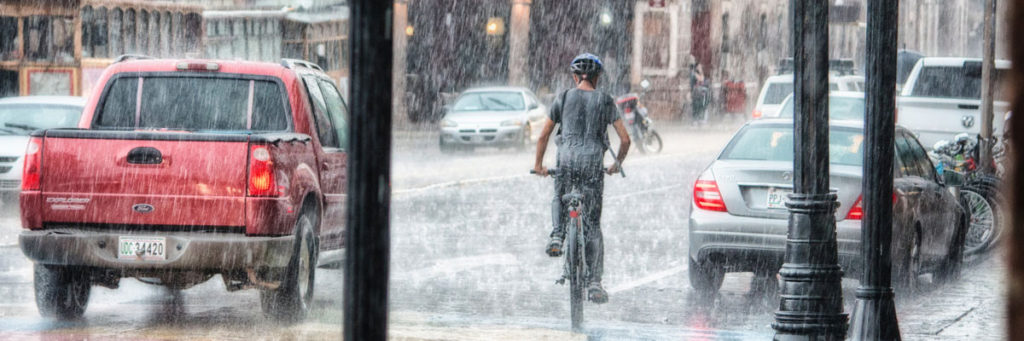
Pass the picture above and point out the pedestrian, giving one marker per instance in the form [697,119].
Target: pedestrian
[698,94]
[582,115]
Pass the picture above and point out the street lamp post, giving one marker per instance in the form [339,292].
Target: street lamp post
[369,173]
[811,303]
[874,316]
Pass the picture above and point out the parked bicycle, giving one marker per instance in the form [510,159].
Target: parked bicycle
[980,193]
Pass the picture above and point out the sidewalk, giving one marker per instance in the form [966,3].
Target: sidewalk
[972,308]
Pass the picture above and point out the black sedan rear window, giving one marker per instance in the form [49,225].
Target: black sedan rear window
[193,103]
[775,143]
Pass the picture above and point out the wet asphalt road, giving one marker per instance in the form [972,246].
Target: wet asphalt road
[467,263]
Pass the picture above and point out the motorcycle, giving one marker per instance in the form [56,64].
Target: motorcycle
[980,192]
[638,123]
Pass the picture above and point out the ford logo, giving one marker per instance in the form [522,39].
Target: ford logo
[143,208]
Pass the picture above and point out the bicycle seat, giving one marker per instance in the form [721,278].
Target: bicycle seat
[568,198]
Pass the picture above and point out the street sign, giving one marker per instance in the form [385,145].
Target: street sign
[656,3]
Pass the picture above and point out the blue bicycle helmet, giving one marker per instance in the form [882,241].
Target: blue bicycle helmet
[586,64]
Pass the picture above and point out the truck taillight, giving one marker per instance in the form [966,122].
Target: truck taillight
[33,162]
[261,172]
[706,196]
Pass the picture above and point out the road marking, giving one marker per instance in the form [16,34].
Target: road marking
[647,279]
[653,190]
[454,265]
[455,183]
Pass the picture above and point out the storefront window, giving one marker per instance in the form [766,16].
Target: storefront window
[129,32]
[49,83]
[143,32]
[8,47]
[116,48]
[49,38]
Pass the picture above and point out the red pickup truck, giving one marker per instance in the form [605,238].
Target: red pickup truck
[184,169]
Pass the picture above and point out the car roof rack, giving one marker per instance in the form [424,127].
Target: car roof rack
[292,63]
[127,57]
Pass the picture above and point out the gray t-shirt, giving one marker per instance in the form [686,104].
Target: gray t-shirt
[584,118]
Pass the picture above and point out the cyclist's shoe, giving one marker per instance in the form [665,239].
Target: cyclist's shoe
[596,293]
[554,248]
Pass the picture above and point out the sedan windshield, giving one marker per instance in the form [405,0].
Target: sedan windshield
[21,119]
[490,101]
[839,108]
[775,143]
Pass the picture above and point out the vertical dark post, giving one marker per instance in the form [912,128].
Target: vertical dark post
[369,173]
[811,304]
[874,316]
[988,66]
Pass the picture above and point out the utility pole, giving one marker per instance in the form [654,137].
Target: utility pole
[811,303]
[369,173]
[874,315]
[988,65]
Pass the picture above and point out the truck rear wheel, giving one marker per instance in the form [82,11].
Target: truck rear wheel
[290,302]
[61,292]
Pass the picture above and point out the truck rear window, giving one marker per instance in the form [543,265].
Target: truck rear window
[955,82]
[193,103]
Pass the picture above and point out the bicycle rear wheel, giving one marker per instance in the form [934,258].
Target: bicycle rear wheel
[577,287]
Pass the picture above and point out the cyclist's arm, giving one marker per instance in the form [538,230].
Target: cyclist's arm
[542,146]
[623,144]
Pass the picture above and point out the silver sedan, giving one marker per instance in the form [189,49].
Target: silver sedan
[493,117]
[738,219]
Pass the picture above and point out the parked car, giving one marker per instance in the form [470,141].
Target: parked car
[842,105]
[19,116]
[738,220]
[493,117]
[777,88]
[185,169]
[942,98]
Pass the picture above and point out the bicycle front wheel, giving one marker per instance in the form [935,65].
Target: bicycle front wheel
[577,286]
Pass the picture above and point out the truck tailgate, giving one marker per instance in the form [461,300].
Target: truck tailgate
[144,178]
[934,119]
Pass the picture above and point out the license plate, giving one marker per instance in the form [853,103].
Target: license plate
[777,198]
[141,248]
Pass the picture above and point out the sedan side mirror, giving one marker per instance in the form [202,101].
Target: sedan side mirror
[534,106]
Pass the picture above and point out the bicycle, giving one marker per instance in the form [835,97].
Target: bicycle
[575,268]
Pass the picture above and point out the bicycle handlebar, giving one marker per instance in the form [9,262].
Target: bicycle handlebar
[556,171]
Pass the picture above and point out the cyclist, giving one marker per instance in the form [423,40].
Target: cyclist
[583,115]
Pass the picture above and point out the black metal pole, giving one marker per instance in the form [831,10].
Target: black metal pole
[874,316]
[369,173]
[811,303]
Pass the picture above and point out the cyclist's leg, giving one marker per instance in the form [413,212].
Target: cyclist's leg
[554,247]
[594,238]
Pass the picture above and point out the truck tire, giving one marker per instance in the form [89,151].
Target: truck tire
[291,301]
[61,292]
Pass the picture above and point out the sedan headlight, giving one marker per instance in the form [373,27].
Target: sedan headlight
[446,123]
[512,123]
